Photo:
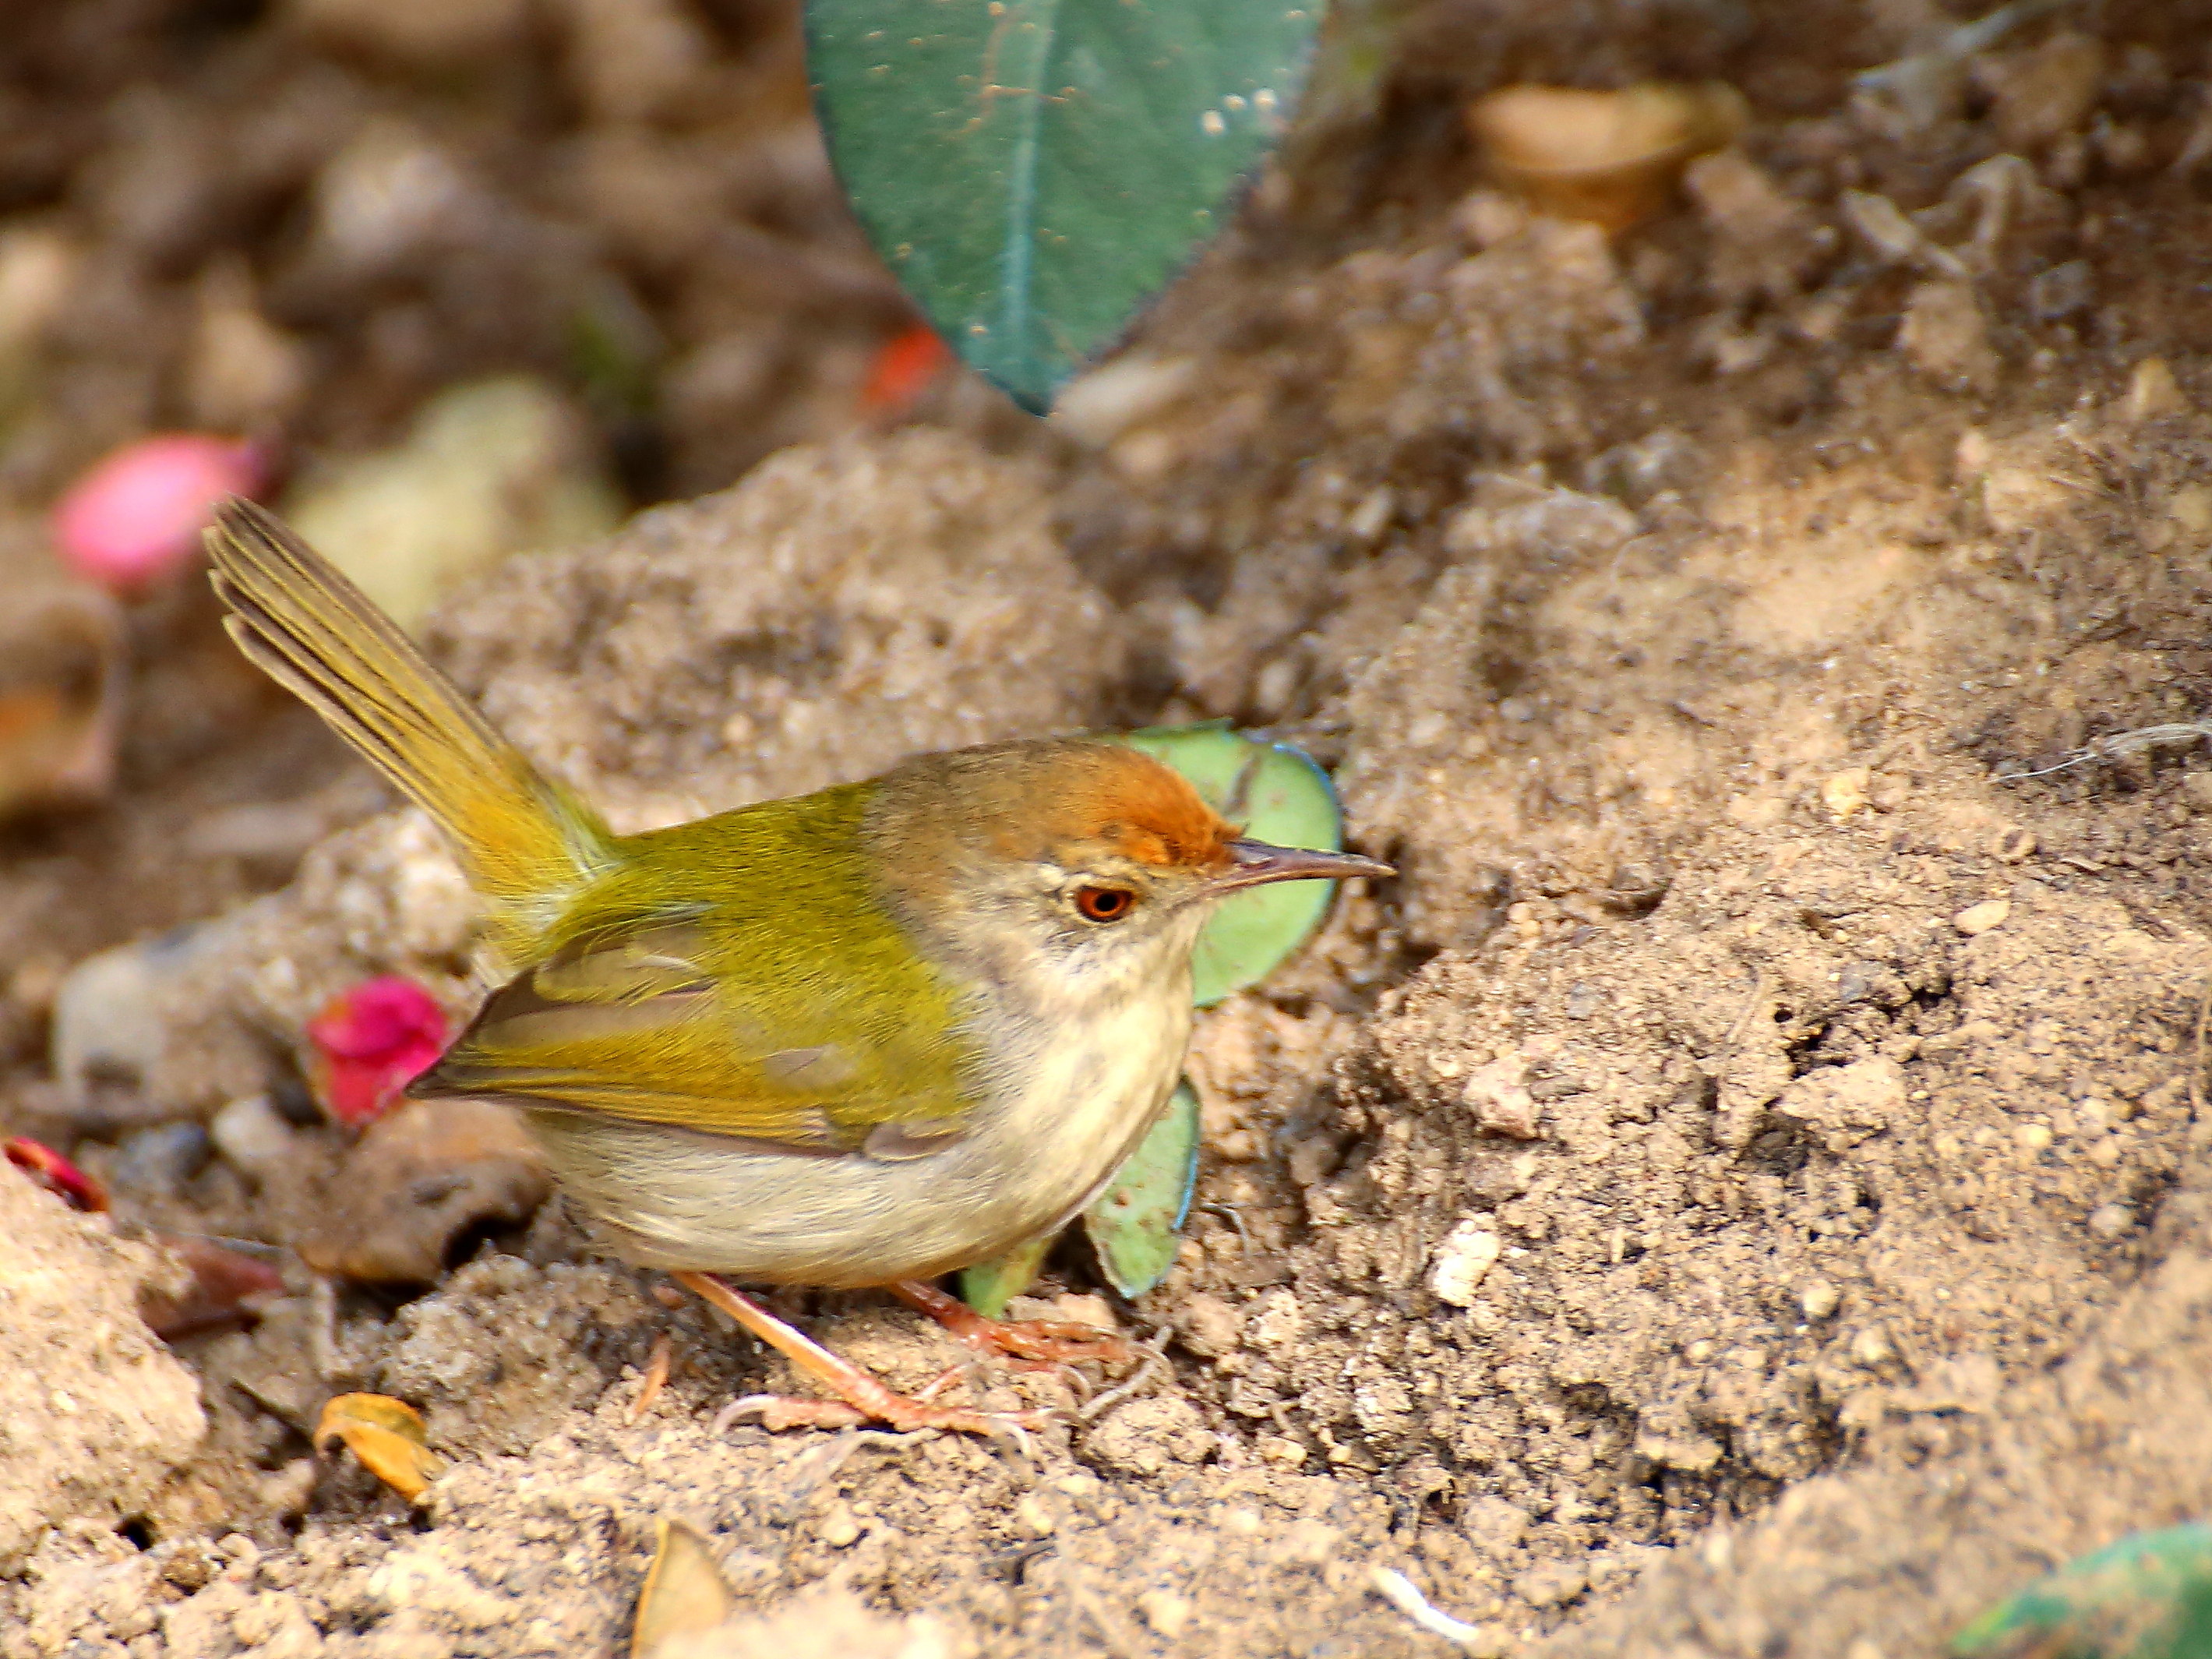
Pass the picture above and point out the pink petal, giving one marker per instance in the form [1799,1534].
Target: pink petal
[371,1042]
[137,514]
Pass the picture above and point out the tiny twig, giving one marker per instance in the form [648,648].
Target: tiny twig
[1237,1220]
[1760,986]
[655,1380]
[1399,1591]
[2196,1059]
[2121,745]
[1155,1358]
[1117,1636]
[821,1463]
[323,1327]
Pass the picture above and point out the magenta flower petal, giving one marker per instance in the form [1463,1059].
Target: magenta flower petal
[137,514]
[370,1043]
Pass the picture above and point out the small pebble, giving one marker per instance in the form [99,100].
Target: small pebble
[2110,1222]
[838,1528]
[2032,1137]
[1552,1584]
[2152,393]
[1165,1612]
[1846,792]
[1307,1543]
[1946,335]
[104,1025]
[1980,918]
[161,1159]
[1871,1347]
[1819,1300]
[1466,1253]
[2048,92]
[2061,291]
[251,1135]
[1033,1517]
[1280,1449]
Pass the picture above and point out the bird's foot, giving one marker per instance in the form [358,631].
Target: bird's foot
[860,1399]
[1046,1341]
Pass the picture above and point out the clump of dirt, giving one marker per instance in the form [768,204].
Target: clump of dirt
[99,1414]
[711,656]
[1741,1189]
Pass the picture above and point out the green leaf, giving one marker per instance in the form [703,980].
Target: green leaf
[1033,170]
[2148,1596]
[989,1286]
[1277,794]
[1136,1223]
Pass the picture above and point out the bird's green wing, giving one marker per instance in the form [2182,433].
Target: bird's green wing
[845,1044]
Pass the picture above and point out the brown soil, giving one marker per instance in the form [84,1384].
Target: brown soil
[1744,1191]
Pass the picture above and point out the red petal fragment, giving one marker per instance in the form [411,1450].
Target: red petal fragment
[55,1173]
[370,1043]
[903,369]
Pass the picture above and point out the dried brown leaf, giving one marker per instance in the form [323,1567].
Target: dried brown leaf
[683,1591]
[227,1287]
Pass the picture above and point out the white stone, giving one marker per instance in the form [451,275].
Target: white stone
[1466,1254]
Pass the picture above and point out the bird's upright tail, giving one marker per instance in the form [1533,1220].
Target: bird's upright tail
[527,842]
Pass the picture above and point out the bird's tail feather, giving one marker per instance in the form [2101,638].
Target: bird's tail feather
[527,842]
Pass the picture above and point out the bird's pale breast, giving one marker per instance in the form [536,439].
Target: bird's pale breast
[1074,1096]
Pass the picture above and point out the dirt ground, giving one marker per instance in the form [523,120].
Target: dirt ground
[1744,1191]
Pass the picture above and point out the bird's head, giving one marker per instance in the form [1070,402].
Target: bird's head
[1069,863]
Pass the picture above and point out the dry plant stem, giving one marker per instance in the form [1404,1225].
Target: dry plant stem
[655,1379]
[1401,1593]
[2197,1055]
[864,1398]
[1155,1361]
[1048,1341]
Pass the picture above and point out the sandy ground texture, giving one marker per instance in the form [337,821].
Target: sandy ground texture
[1742,1191]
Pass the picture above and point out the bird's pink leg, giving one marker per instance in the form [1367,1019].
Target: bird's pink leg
[1048,1341]
[862,1398]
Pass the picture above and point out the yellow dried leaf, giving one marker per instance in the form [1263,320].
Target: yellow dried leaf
[683,1591]
[386,1435]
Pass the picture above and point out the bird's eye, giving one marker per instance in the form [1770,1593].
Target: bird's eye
[1105,903]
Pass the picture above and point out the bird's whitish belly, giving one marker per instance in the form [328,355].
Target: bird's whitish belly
[675,1198]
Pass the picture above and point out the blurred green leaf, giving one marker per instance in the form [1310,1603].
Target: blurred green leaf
[1136,1223]
[1033,170]
[1278,795]
[987,1286]
[2148,1596]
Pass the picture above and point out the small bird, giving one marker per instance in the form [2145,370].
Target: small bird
[860,1037]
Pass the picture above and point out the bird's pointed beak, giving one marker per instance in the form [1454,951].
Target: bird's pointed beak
[1255,863]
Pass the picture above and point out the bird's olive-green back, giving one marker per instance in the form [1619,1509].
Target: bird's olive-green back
[738,975]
